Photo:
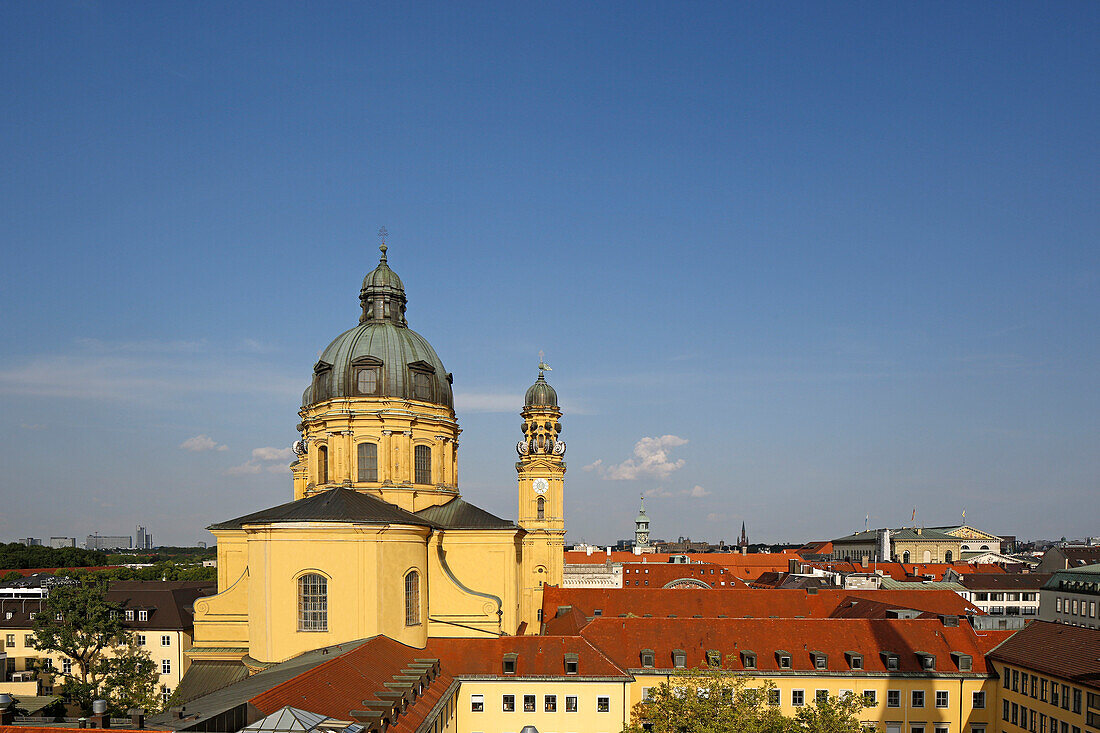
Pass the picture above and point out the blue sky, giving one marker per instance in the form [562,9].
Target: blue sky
[844,254]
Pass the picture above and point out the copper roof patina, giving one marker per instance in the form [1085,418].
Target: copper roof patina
[335,505]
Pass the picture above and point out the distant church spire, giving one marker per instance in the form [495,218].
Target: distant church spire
[744,542]
[641,527]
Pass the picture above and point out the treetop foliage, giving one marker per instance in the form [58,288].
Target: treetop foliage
[17,555]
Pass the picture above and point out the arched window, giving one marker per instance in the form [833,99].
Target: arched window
[542,508]
[928,556]
[322,464]
[368,461]
[423,460]
[312,603]
[905,556]
[947,556]
[412,598]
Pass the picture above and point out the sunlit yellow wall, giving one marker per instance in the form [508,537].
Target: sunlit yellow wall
[1023,698]
[959,715]
[587,718]
[365,568]
[396,427]
[485,561]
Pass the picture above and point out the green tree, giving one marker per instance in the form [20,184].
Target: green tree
[80,623]
[712,701]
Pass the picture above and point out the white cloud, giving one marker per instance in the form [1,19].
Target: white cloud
[201,443]
[650,459]
[716,517]
[695,492]
[245,469]
[272,454]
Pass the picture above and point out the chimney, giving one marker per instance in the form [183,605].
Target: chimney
[863,561]
[792,566]
[100,717]
[7,710]
[137,718]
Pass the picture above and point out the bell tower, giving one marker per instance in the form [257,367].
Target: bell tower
[541,470]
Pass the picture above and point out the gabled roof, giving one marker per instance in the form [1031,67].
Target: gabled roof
[460,514]
[745,602]
[335,505]
[536,656]
[623,639]
[1005,581]
[903,533]
[1061,650]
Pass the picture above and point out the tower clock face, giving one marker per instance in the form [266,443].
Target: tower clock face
[540,485]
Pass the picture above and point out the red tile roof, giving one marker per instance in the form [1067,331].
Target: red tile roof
[741,602]
[657,575]
[537,656]
[340,685]
[624,639]
[745,567]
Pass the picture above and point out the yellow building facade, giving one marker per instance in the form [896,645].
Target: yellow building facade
[378,539]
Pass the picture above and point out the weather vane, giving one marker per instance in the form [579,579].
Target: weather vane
[543,366]
[382,233]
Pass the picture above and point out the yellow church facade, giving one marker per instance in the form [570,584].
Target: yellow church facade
[377,538]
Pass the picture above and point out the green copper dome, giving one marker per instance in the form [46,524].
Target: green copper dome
[382,356]
[541,394]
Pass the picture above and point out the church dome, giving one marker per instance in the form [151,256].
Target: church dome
[540,394]
[382,356]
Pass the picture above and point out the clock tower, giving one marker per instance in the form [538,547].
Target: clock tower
[541,469]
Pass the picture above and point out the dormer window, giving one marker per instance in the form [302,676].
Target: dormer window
[783,658]
[748,659]
[890,660]
[367,380]
[927,661]
[510,663]
[571,661]
[322,373]
[647,658]
[129,614]
[821,660]
[965,662]
[855,660]
[679,658]
[714,658]
[420,376]
[143,615]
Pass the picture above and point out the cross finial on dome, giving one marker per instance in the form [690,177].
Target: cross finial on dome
[382,233]
[543,366]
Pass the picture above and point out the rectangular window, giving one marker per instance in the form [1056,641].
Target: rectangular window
[893,698]
[509,704]
[28,641]
[1015,680]
[368,461]
[979,700]
[67,666]
[139,639]
[942,698]
[977,729]
[528,703]
[916,728]
[798,698]
[166,640]
[165,694]
[918,699]
[1043,690]
[570,703]
[1054,697]
[773,697]
[870,698]
[1065,697]
[822,697]
[366,381]
[423,458]
[166,666]
[603,704]
[940,728]
[1015,716]
[1076,700]
[129,614]
[1058,605]
[550,703]
[10,641]
[477,703]
[1031,722]
[143,615]
[1034,686]
[1004,710]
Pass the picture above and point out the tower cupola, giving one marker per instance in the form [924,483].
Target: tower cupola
[383,294]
